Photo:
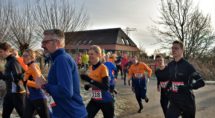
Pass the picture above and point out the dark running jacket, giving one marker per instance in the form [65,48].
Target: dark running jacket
[183,78]
[13,74]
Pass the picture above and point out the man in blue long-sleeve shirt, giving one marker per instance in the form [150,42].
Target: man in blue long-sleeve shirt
[63,78]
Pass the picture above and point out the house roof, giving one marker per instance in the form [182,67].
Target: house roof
[99,37]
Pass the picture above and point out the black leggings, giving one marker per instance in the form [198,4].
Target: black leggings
[164,101]
[176,110]
[11,101]
[39,106]
[139,101]
[107,109]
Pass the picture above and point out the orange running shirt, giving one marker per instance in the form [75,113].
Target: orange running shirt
[99,73]
[139,70]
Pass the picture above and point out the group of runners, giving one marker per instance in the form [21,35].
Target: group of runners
[28,90]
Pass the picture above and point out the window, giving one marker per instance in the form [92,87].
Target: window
[127,42]
[84,42]
[89,42]
[123,42]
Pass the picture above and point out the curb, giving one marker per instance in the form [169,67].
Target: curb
[210,82]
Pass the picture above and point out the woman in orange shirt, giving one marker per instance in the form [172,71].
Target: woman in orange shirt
[99,81]
[36,99]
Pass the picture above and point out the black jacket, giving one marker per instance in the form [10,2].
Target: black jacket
[13,73]
[183,71]
[183,78]
[162,78]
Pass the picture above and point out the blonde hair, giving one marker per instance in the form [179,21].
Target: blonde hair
[96,48]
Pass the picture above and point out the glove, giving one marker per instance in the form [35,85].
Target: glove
[87,86]
[184,88]
[86,78]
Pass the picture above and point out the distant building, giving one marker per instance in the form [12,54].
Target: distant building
[114,40]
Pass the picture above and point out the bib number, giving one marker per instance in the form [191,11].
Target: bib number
[163,84]
[138,75]
[175,86]
[97,94]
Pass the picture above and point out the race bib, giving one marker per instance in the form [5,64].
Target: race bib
[97,94]
[138,75]
[163,84]
[175,86]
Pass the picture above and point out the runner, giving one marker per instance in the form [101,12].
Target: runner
[12,76]
[35,100]
[63,78]
[19,59]
[99,81]
[139,81]
[85,60]
[124,61]
[162,80]
[181,82]
[112,70]
[118,65]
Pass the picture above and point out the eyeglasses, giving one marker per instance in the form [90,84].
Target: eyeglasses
[46,41]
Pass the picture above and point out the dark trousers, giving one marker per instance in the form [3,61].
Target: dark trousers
[140,88]
[39,106]
[164,101]
[107,109]
[11,101]
[124,76]
[139,101]
[185,108]
[119,68]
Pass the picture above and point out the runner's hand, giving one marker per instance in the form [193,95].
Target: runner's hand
[86,78]
[87,86]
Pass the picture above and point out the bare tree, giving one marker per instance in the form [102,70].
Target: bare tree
[182,21]
[24,25]
[22,28]
[143,54]
[5,10]
[61,14]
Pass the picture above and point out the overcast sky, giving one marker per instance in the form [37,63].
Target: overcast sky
[134,14]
